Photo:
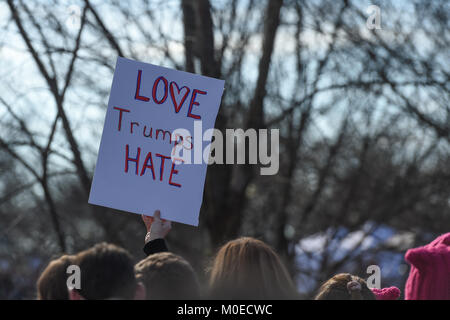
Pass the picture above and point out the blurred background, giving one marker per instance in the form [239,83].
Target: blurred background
[363,114]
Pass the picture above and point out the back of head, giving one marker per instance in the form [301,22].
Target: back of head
[107,272]
[52,283]
[247,268]
[345,286]
[167,276]
[429,277]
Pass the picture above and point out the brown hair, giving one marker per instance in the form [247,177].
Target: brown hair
[345,286]
[167,276]
[51,284]
[247,268]
[107,272]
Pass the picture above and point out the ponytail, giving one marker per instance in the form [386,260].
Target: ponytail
[345,286]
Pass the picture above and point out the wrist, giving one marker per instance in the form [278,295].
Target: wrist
[152,236]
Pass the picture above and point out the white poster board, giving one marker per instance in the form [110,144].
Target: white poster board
[135,169]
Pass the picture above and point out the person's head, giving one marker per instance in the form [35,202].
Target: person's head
[429,277]
[167,276]
[52,283]
[247,268]
[345,286]
[107,272]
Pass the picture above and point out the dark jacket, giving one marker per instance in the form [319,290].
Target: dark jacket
[155,246]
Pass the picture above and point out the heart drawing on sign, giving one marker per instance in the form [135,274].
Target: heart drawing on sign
[178,94]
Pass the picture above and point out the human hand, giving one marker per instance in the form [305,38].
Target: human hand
[157,228]
[147,221]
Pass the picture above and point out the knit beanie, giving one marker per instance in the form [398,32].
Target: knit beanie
[391,293]
[429,277]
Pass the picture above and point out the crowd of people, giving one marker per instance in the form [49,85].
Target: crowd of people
[245,268]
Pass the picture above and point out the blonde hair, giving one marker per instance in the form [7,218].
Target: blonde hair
[167,276]
[247,268]
[345,286]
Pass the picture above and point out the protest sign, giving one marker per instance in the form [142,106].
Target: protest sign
[135,169]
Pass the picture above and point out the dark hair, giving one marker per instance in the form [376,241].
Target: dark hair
[107,272]
[167,276]
[247,268]
[51,284]
[345,286]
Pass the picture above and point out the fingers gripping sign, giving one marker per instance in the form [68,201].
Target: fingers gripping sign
[157,228]
[147,221]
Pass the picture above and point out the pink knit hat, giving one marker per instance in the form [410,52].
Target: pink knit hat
[429,278]
[391,293]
